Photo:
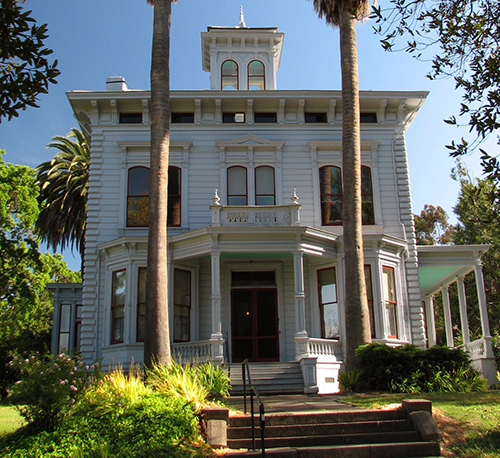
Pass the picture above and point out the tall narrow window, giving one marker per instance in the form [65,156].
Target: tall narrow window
[264,186]
[256,75]
[331,195]
[390,301]
[141,305]
[174,196]
[138,197]
[64,328]
[237,186]
[369,297]
[367,195]
[182,305]
[229,75]
[118,306]
[78,328]
[329,310]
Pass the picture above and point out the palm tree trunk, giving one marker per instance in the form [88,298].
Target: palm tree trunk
[157,336]
[356,306]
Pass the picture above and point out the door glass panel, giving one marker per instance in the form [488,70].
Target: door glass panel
[266,312]
[268,349]
[242,313]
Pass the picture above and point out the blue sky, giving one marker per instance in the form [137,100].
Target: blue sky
[94,39]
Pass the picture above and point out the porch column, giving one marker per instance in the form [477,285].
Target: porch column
[481,297]
[447,317]
[431,321]
[216,337]
[301,340]
[300,308]
[462,302]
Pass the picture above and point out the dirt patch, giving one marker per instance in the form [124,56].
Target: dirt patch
[452,432]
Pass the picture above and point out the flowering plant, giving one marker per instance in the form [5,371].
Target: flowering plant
[48,387]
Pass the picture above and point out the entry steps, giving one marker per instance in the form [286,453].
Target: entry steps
[342,434]
[269,378]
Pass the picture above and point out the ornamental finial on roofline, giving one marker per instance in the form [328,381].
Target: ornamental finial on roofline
[242,19]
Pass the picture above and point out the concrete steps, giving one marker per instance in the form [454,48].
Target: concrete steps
[269,378]
[343,434]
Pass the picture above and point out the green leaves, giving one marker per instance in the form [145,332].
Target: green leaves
[25,71]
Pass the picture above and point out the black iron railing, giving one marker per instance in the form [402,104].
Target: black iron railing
[245,371]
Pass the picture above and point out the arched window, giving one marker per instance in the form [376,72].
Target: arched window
[138,197]
[367,195]
[264,186]
[237,186]
[256,75]
[229,77]
[330,179]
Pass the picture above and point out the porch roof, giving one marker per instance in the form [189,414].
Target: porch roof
[441,265]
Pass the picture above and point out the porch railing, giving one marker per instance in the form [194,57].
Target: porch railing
[325,347]
[192,352]
[475,349]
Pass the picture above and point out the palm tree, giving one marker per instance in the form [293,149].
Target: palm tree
[344,14]
[63,183]
[157,337]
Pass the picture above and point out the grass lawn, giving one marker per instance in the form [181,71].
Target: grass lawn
[10,420]
[469,422]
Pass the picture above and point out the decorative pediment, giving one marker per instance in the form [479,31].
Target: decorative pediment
[250,141]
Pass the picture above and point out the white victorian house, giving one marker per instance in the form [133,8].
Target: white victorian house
[255,236]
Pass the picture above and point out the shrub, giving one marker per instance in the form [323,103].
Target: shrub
[409,369]
[214,379]
[178,381]
[351,381]
[49,387]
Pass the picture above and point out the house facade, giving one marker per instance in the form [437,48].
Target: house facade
[255,236]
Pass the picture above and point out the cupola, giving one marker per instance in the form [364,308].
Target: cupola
[242,58]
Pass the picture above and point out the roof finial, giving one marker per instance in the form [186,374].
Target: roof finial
[242,19]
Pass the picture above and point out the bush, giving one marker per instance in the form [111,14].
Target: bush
[214,379]
[49,387]
[409,369]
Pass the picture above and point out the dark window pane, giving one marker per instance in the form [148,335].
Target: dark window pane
[138,181]
[233,117]
[368,117]
[258,278]
[265,117]
[315,117]
[130,118]
[182,118]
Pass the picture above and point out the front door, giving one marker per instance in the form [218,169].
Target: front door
[254,324]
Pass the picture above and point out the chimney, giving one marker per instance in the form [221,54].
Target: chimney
[116,83]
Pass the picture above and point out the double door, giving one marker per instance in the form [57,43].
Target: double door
[254,321]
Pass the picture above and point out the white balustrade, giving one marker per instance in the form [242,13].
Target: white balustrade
[192,352]
[325,347]
[475,349]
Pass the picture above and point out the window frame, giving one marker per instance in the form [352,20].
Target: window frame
[139,303]
[229,195]
[136,196]
[322,195]
[263,77]
[370,194]
[321,304]
[115,307]
[188,306]
[369,299]
[222,86]
[177,196]
[257,194]
[390,306]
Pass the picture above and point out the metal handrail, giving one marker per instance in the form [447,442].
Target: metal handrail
[262,415]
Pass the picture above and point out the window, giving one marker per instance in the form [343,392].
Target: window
[182,118]
[174,196]
[315,117]
[233,117]
[78,328]
[331,195]
[367,196]
[138,197]
[390,301]
[141,305]
[369,297]
[64,328]
[130,118]
[256,75]
[118,306]
[182,305]
[368,117]
[264,186]
[330,179]
[229,75]
[265,117]
[329,310]
[237,186]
